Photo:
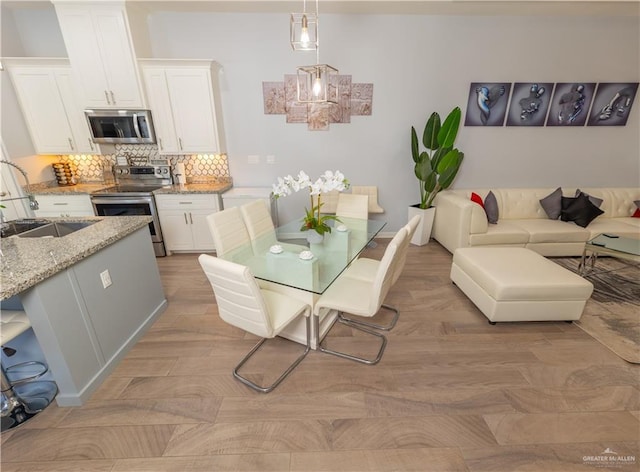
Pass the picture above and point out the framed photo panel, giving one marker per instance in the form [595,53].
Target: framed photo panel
[529,103]
[612,104]
[487,104]
[570,103]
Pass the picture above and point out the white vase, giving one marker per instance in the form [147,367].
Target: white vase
[313,237]
[423,231]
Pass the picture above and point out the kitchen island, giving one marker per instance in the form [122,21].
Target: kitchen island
[89,296]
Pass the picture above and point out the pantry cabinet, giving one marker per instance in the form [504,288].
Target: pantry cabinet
[64,205]
[100,48]
[183,98]
[183,220]
[50,105]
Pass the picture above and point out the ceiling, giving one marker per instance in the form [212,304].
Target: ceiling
[432,7]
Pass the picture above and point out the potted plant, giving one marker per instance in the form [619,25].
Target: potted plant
[313,221]
[435,167]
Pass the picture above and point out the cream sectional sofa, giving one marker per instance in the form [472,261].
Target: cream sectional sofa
[459,222]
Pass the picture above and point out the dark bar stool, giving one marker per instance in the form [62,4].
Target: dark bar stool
[23,396]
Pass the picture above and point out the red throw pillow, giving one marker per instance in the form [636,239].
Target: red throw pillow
[477,198]
[636,214]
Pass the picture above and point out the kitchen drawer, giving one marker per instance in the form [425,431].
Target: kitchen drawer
[188,202]
[64,205]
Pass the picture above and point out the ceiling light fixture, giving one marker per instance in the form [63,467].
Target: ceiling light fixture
[317,83]
[304,29]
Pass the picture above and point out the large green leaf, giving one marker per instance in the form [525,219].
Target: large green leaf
[438,155]
[430,182]
[423,166]
[415,151]
[431,131]
[449,172]
[449,130]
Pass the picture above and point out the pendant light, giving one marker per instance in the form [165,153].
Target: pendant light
[317,83]
[304,29]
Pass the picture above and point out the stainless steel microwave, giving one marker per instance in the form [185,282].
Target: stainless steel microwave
[121,126]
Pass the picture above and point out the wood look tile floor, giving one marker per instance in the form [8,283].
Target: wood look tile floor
[452,393]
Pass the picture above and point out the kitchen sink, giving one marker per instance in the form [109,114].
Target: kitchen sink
[55,230]
[11,228]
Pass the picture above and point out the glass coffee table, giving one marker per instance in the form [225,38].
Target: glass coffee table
[608,245]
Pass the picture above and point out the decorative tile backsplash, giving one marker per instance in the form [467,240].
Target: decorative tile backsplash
[199,167]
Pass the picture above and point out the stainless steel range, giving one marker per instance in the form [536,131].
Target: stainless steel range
[132,195]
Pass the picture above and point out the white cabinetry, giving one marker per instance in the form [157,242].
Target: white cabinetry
[100,48]
[183,97]
[64,205]
[50,105]
[183,220]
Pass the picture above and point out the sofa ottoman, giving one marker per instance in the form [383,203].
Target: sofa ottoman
[518,284]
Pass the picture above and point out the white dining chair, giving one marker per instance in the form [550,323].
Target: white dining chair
[261,230]
[365,268]
[262,312]
[352,206]
[358,297]
[229,233]
[372,192]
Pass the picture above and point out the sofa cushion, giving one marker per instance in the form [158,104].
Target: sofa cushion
[551,231]
[491,208]
[620,226]
[580,210]
[634,222]
[552,204]
[595,200]
[477,199]
[504,233]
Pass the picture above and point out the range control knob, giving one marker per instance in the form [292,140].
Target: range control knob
[165,171]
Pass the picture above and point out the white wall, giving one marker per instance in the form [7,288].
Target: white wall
[418,64]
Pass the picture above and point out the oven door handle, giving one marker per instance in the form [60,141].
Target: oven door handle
[120,200]
[136,126]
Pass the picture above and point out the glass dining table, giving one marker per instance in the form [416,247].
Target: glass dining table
[303,270]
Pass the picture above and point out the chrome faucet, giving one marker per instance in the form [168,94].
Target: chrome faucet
[33,203]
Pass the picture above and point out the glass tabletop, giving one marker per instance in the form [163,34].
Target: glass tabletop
[616,243]
[315,274]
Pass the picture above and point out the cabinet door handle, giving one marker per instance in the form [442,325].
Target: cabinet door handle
[160,143]
[106,95]
[180,142]
[90,144]
[70,143]
[190,218]
[4,194]
[185,219]
[113,100]
[60,203]
[185,203]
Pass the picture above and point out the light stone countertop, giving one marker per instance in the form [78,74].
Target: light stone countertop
[52,188]
[209,187]
[28,261]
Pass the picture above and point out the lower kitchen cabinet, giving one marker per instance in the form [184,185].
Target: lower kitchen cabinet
[64,205]
[183,221]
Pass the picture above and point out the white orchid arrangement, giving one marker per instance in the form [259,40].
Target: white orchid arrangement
[327,182]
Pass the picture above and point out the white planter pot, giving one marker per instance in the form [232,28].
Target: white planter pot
[423,232]
[313,237]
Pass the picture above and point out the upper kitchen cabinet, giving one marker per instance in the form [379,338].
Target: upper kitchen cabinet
[100,49]
[184,99]
[50,105]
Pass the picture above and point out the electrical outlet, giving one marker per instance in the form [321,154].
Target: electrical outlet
[253,159]
[106,278]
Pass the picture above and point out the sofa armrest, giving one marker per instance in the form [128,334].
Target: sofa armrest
[456,218]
